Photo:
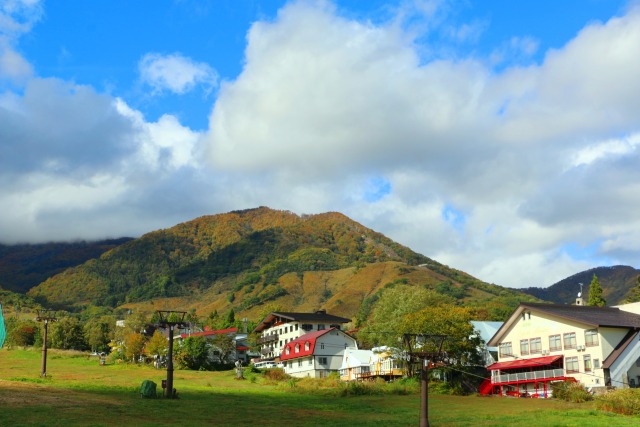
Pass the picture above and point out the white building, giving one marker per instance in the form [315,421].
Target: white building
[370,364]
[280,328]
[317,353]
[543,343]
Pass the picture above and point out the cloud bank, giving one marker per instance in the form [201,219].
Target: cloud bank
[521,175]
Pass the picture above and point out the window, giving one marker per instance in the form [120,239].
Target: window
[322,346]
[321,327]
[306,346]
[311,361]
[505,349]
[296,326]
[569,340]
[571,364]
[554,343]
[596,363]
[287,350]
[536,345]
[297,349]
[322,360]
[524,347]
[591,337]
[300,363]
[587,362]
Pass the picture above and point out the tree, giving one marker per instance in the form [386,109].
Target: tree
[67,333]
[386,322]
[224,347]
[595,293]
[453,323]
[23,333]
[193,353]
[133,345]
[157,345]
[99,332]
[230,320]
[634,293]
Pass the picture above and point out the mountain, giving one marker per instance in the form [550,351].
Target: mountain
[24,266]
[251,259]
[616,282]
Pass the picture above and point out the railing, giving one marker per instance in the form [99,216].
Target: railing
[528,376]
[268,338]
[266,350]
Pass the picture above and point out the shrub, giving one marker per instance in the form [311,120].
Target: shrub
[571,392]
[625,401]
[276,374]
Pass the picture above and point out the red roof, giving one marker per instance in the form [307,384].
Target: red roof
[524,363]
[301,341]
[209,333]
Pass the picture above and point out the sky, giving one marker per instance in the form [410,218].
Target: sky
[500,138]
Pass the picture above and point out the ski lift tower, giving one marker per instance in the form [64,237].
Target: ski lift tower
[170,319]
[45,318]
[425,349]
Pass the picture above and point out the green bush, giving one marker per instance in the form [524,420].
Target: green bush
[625,401]
[571,392]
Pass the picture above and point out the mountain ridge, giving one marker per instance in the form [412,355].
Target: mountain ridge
[252,258]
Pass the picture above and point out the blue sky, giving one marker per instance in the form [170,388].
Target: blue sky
[497,137]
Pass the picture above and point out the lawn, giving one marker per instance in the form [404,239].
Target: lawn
[80,392]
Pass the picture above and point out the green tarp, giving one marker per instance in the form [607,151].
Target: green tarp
[148,388]
[3,330]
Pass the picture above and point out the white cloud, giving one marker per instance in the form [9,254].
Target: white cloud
[324,112]
[176,73]
[333,114]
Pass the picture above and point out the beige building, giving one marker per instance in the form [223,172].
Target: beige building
[543,343]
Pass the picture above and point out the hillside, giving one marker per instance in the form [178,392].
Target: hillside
[24,266]
[249,259]
[616,282]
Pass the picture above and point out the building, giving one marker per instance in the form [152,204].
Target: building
[359,365]
[543,343]
[280,328]
[486,330]
[355,364]
[317,353]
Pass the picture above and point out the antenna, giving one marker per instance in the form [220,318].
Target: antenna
[580,293]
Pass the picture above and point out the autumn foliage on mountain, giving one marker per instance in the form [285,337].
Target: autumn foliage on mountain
[251,259]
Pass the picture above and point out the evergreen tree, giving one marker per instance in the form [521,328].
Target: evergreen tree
[595,293]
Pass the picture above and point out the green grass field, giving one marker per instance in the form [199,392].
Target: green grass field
[80,392]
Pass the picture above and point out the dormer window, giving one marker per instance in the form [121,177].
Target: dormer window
[297,349]
[306,346]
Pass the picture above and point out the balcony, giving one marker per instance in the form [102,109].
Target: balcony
[528,376]
[267,339]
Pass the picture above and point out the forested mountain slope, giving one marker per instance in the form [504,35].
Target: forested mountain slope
[247,259]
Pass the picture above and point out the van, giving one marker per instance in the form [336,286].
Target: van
[266,364]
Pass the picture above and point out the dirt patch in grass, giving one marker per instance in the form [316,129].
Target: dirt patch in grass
[24,394]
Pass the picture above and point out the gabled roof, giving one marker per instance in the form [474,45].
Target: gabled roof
[353,357]
[311,338]
[319,316]
[587,315]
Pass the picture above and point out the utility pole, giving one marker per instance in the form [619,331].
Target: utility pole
[45,319]
[423,349]
[170,319]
